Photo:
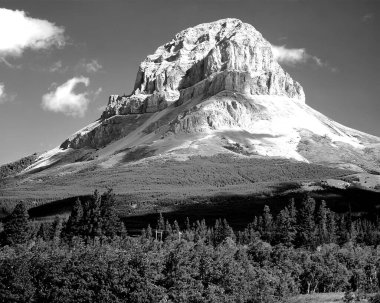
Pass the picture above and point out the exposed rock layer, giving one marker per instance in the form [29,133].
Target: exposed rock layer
[223,55]
[216,88]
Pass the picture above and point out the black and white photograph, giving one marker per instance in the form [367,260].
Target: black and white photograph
[189,151]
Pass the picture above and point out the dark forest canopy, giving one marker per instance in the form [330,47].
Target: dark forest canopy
[304,248]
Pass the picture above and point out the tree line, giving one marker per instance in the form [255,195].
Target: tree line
[89,257]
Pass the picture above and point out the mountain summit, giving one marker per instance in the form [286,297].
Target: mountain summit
[214,88]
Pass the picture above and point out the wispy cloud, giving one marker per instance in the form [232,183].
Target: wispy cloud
[83,66]
[294,56]
[89,66]
[57,67]
[65,100]
[368,17]
[5,97]
[19,32]
[8,64]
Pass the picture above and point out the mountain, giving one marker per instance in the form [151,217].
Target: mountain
[217,88]
[214,89]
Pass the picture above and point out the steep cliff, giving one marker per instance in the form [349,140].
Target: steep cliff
[204,60]
[217,88]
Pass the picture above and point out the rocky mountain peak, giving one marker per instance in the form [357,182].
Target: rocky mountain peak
[202,61]
[215,88]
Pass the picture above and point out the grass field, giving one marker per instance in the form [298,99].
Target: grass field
[321,298]
[228,187]
[318,298]
[156,180]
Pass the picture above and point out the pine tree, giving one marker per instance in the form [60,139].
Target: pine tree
[95,216]
[187,224]
[44,232]
[160,223]
[284,229]
[331,227]
[109,220]
[168,231]
[306,223]
[149,232]
[16,227]
[75,221]
[267,224]
[342,232]
[56,230]
[322,224]
[200,230]
[176,227]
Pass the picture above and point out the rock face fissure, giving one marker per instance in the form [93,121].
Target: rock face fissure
[204,60]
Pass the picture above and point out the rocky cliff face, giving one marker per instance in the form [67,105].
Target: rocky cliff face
[216,88]
[204,60]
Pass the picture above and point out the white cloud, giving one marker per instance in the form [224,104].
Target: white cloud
[4,97]
[19,32]
[292,56]
[2,92]
[65,100]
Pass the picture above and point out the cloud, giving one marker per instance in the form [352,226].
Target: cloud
[8,64]
[82,66]
[19,32]
[57,67]
[93,66]
[65,100]
[2,92]
[89,66]
[293,56]
[368,17]
[4,97]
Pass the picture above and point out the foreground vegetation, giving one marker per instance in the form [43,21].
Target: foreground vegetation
[305,248]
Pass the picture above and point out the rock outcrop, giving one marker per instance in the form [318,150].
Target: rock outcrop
[204,60]
[217,88]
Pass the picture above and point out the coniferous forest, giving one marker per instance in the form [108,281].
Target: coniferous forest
[304,248]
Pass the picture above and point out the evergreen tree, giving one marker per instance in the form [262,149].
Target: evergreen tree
[306,223]
[16,227]
[44,232]
[160,223]
[176,227]
[322,232]
[221,231]
[331,227]
[200,230]
[267,225]
[96,214]
[187,224]
[284,229]
[74,223]
[168,231]
[56,229]
[342,232]
[149,232]
[109,220]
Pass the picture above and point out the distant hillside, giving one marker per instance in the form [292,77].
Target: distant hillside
[14,168]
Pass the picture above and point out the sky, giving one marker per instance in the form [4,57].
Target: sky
[61,59]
